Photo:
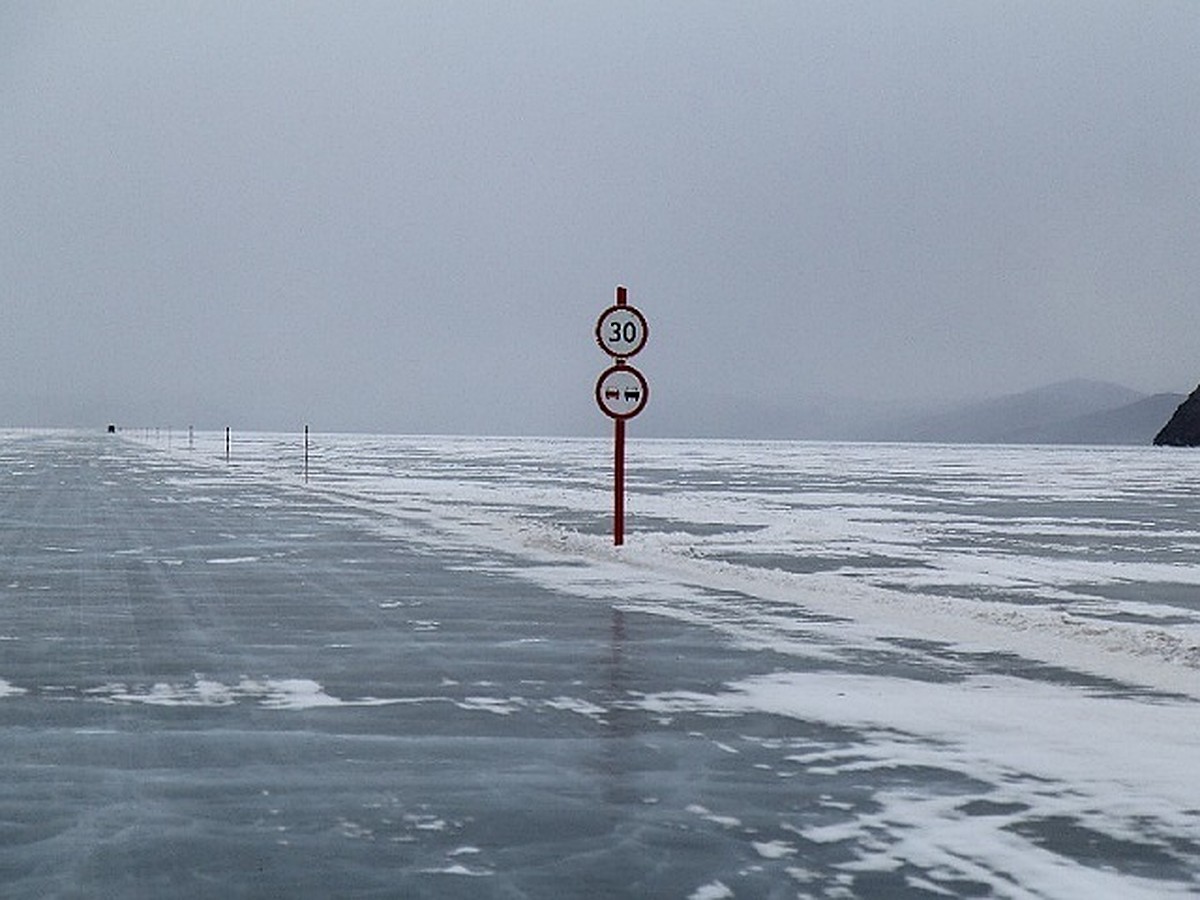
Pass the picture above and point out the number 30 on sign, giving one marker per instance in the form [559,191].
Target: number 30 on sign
[621,331]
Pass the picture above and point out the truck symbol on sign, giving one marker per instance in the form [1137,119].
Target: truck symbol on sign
[632,394]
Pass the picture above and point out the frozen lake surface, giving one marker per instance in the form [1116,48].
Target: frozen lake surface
[814,670]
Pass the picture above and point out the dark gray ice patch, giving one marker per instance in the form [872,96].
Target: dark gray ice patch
[961,663]
[1167,593]
[1155,858]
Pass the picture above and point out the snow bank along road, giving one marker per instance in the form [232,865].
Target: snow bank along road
[425,674]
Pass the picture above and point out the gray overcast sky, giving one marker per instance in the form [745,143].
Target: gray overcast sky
[406,216]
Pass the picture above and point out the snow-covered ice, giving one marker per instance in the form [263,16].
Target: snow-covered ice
[814,670]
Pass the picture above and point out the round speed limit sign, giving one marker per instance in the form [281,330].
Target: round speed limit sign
[621,331]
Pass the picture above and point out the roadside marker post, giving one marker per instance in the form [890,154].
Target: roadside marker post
[621,390]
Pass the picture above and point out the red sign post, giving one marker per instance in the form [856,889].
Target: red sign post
[621,390]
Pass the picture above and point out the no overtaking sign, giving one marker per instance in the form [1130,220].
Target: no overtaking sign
[622,391]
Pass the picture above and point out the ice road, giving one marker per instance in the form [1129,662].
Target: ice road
[840,671]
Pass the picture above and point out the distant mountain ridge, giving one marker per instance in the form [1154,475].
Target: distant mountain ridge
[1078,411]
[1068,412]
[1134,424]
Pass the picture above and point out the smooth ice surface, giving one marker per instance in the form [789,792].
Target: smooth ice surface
[813,671]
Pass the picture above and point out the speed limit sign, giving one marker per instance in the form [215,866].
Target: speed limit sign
[621,331]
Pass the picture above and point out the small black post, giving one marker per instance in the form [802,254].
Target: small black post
[227,443]
[191,438]
[306,454]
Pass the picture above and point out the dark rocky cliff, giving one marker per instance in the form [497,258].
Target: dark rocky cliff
[1183,430]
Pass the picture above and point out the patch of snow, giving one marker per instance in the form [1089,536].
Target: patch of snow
[774,849]
[498,706]
[715,890]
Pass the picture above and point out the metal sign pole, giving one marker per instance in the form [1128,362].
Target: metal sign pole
[619,460]
[619,483]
